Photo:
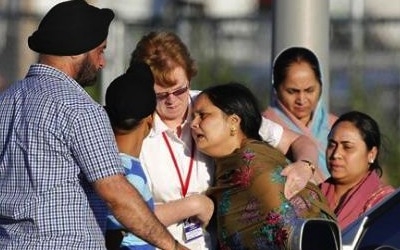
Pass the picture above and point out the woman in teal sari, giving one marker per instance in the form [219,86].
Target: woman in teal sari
[296,103]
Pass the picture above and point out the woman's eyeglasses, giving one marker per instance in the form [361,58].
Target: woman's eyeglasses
[178,92]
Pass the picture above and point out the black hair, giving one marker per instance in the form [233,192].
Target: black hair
[292,55]
[235,98]
[122,124]
[369,131]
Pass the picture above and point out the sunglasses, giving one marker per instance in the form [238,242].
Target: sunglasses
[178,92]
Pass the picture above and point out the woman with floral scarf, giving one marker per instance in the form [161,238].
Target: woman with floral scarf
[251,209]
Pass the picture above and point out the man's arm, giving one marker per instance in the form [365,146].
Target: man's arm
[132,212]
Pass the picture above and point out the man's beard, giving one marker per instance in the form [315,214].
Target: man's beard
[87,74]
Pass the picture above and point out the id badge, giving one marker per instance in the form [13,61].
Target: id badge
[192,230]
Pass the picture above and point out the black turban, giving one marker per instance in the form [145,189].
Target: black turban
[131,95]
[71,28]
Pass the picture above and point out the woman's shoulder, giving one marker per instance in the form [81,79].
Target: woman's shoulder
[264,152]
[377,196]
[258,146]
[271,115]
[332,118]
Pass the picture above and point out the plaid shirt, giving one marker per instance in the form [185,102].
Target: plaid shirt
[54,141]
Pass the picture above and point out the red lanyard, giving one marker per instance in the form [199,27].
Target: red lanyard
[184,186]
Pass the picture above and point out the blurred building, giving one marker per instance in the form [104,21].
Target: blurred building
[231,40]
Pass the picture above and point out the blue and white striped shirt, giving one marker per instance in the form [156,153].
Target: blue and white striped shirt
[54,141]
[136,176]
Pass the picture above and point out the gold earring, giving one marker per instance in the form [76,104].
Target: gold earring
[233,131]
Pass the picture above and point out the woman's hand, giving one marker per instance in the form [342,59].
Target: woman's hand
[203,207]
[297,175]
[196,206]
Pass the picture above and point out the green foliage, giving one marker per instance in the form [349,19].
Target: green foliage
[221,71]
[94,92]
[362,100]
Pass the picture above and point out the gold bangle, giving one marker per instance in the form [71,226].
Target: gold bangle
[310,164]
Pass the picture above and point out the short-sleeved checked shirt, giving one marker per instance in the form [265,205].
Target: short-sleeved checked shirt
[54,141]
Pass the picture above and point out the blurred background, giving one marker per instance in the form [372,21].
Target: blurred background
[232,40]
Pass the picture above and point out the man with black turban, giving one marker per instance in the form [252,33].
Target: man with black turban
[59,163]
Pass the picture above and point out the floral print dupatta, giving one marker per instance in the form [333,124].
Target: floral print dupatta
[252,212]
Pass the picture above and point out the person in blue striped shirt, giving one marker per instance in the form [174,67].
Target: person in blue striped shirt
[130,103]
